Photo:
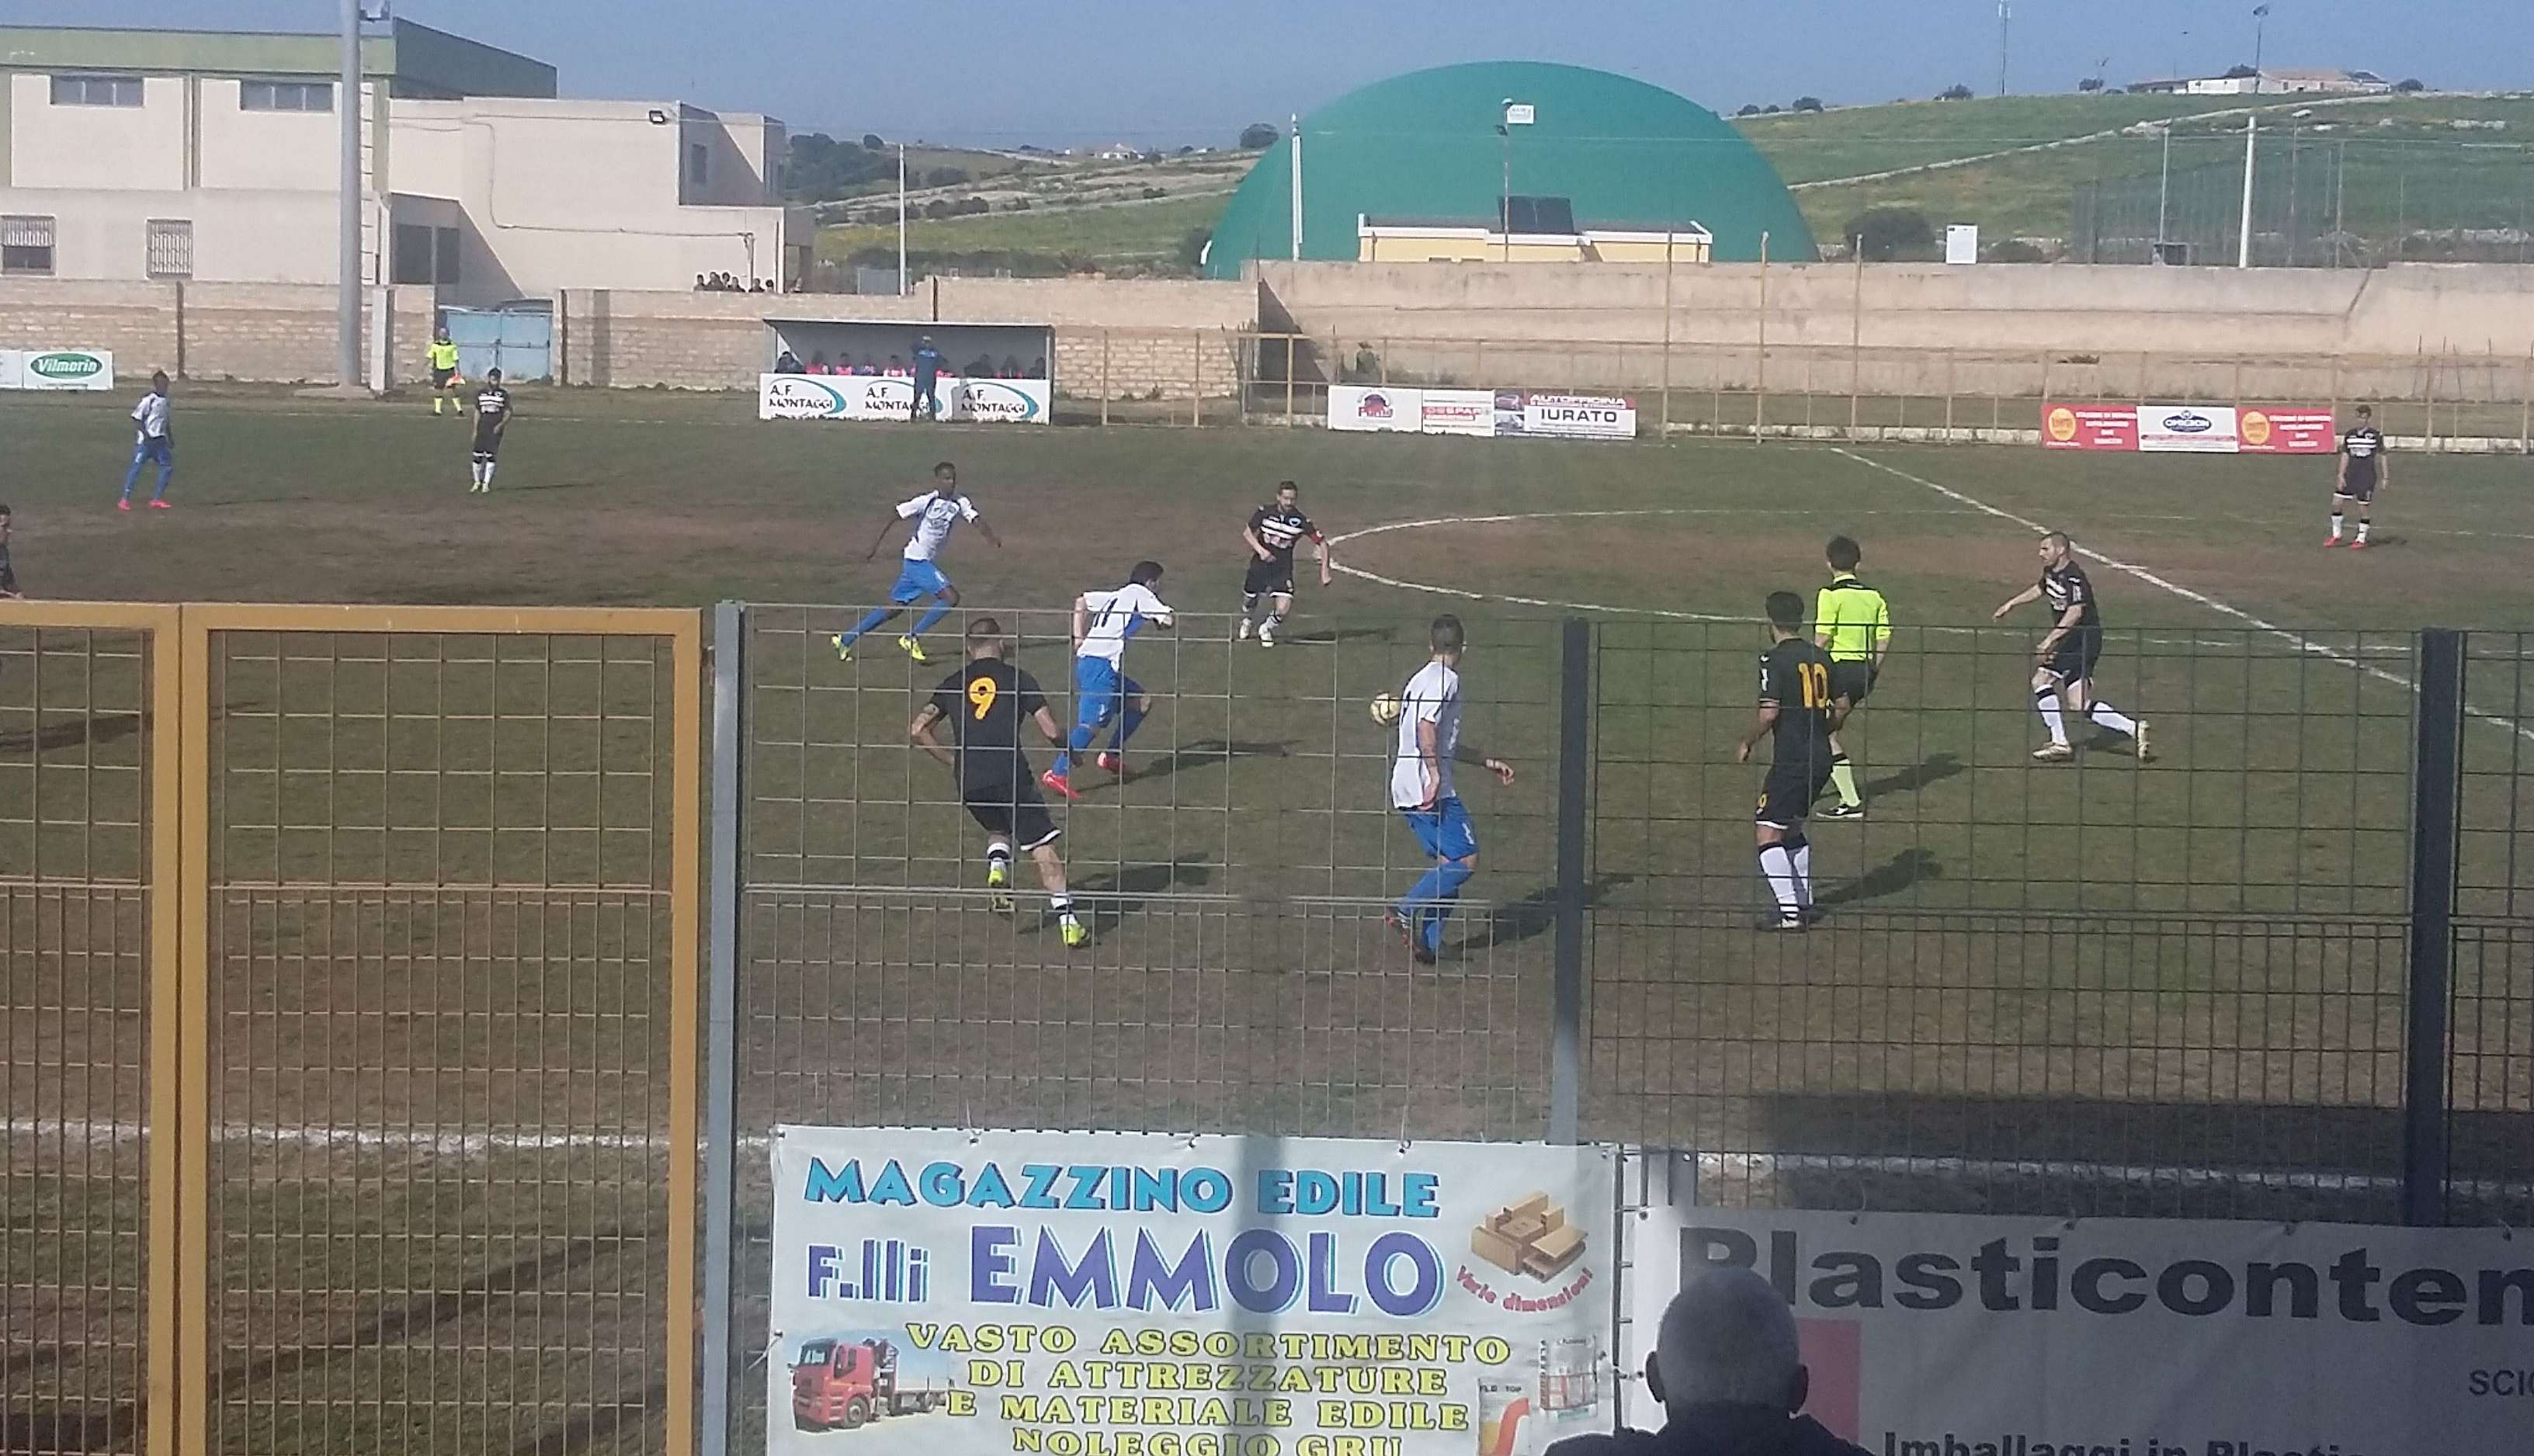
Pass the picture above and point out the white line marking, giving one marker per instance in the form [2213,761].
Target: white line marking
[2302,643]
[1703,616]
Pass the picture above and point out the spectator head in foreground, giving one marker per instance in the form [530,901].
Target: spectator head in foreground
[1730,1377]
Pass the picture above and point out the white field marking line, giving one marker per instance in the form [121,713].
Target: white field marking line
[1690,616]
[2300,643]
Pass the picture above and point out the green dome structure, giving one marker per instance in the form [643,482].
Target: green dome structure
[1425,145]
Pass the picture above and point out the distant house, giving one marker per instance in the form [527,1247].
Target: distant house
[2270,83]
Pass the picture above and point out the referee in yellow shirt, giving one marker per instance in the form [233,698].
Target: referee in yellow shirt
[444,373]
[1851,623]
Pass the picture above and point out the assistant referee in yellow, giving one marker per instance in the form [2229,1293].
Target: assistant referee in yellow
[1853,624]
[444,373]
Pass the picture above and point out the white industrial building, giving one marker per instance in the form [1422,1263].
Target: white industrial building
[2271,83]
[211,155]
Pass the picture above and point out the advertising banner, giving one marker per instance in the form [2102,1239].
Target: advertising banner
[1948,1336]
[1377,408]
[1458,412]
[2288,431]
[881,398]
[1097,1294]
[1566,416]
[2090,427]
[63,369]
[2187,429]
[13,369]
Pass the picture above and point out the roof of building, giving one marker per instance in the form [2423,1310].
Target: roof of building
[1626,155]
[417,60]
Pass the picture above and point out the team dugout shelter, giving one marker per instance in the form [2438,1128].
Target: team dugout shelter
[1024,351]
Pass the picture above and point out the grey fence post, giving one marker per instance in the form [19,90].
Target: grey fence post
[721,1026]
[1574,724]
[2438,770]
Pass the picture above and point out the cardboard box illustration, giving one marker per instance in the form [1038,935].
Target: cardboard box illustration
[1528,1236]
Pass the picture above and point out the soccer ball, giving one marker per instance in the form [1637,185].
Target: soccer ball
[1385,708]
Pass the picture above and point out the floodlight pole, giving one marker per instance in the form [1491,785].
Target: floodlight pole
[347,217]
[2163,192]
[2005,22]
[1294,122]
[901,220]
[2243,242]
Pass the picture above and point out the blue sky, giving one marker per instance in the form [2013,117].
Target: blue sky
[1065,72]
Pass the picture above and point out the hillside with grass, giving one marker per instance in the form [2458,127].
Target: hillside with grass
[2404,173]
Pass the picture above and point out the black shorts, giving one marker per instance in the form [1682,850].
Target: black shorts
[1786,795]
[440,378]
[486,449]
[1010,807]
[1852,680]
[2074,659]
[1268,579]
[2356,490]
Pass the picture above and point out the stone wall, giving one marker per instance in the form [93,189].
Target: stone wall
[269,333]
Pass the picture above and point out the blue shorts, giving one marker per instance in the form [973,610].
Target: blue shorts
[1443,830]
[918,579]
[1099,690]
[161,451]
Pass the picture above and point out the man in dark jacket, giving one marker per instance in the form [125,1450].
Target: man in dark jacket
[1730,1379]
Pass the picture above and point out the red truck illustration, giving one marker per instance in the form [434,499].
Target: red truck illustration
[849,1383]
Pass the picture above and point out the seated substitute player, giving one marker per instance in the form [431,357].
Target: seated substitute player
[934,514]
[1421,789]
[1797,710]
[1102,624]
[983,703]
[2066,656]
[1271,535]
[2363,472]
[492,421]
[1853,624]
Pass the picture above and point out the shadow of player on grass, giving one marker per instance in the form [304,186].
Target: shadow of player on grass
[1206,753]
[1106,899]
[1905,871]
[1534,916]
[1937,767]
[1334,635]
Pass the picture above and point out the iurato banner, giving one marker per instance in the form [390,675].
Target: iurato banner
[1089,1294]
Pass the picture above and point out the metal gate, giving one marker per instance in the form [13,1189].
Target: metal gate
[517,341]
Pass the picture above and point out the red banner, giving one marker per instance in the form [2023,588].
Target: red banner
[2090,427]
[2287,431]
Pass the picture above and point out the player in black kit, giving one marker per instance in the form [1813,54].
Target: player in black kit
[492,419]
[2065,658]
[985,702]
[1271,535]
[2361,474]
[1797,708]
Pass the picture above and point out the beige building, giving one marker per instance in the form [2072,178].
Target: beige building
[210,156]
[1410,241]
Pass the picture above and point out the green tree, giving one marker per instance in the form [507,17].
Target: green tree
[1893,235]
[1258,136]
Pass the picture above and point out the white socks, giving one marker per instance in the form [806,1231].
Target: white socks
[2051,718]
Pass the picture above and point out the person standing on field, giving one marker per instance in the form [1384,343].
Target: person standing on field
[926,403]
[1853,624]
[2363,472]
[153,440]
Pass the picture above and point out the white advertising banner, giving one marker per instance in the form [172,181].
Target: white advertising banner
[1458,412]
[2189,429]
[1570,417]
[1097,1294]
[1945,1335]
[1377,408]
[58,369]
[883,398]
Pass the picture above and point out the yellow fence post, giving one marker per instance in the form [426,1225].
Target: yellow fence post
[191,1351]
[165,743]
[686,890]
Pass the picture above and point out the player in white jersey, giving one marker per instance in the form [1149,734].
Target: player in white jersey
[1422,789]
[152,439]
[1103,624]
[934,514]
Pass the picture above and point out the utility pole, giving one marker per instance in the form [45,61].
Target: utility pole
[2163,192]
[2005,26]
[1294,122]
[2261,18]
[901,220]
[347,215]
[2244,242]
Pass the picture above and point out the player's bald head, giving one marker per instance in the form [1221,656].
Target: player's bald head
[1727,1339]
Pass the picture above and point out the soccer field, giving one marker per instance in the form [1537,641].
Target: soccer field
[2107,986]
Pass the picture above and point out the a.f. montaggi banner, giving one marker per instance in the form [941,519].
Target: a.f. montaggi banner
[1089,1294]
[1951,1335]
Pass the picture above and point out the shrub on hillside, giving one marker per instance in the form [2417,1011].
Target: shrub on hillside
[1955,93]
[1258,136]
[1893,235]
[1806,103]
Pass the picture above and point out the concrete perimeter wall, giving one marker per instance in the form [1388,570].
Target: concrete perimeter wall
[274,332]
[1113,337]
[2108,329]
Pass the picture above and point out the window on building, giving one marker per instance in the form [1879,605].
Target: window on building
[410,258]
[169,252]
[25,245]
[96,91]
[285,96]
[444,254]
[697,161]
